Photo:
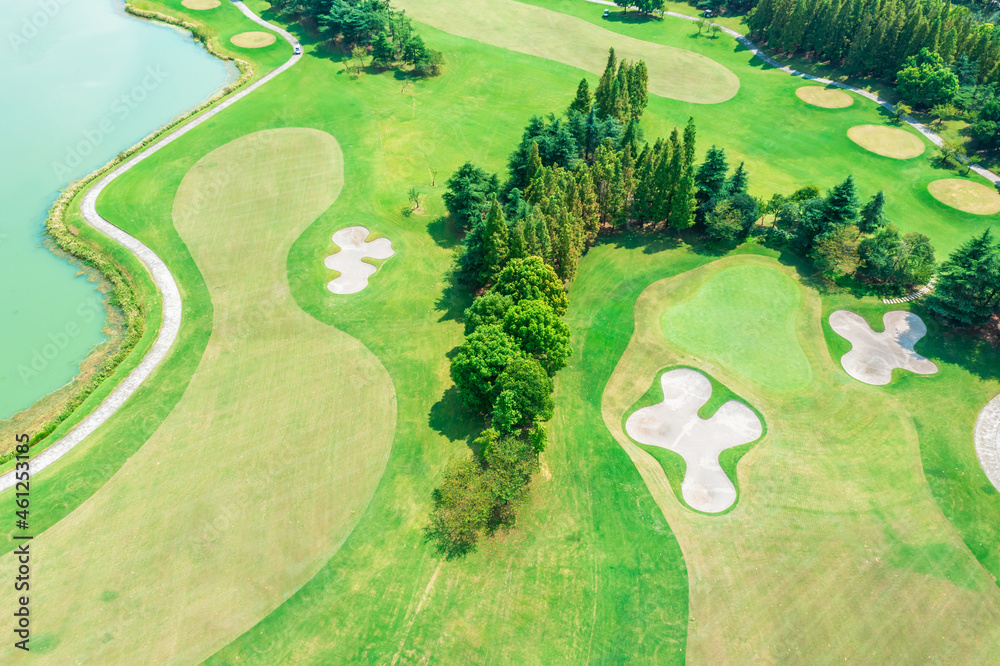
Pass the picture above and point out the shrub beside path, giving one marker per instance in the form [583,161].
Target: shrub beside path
[753,48]
[161,274]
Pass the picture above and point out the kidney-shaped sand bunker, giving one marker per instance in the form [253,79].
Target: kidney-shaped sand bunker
[674,424]
[874,356]
[349,262]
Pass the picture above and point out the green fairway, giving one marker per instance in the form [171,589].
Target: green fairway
[674,72]
[743,318]
[238,507]
[269,458]
[836,549]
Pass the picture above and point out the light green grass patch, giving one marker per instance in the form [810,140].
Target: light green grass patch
[744,318]
[673,72]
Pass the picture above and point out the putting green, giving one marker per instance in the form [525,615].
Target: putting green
[201,4]
[744,318]
[828,98]
[673,72]
[835,528]
[265,465]
[887,141]
[254,39]
[966,195]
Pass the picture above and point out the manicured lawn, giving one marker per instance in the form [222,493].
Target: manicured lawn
[587,574]
[269,458]
[756,307]
[836,549]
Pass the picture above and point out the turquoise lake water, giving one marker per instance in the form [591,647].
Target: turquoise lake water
[80,80]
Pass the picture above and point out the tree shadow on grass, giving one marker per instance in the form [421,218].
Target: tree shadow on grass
[632,18]
[651,242]
[455,298]
[958,346]
[449,417]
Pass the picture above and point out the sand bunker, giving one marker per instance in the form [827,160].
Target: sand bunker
[988,440]
[674,424]
[887,141]
[253,40]
[201,4]
[354,272]
[828,98]
[966,195]
[874,356]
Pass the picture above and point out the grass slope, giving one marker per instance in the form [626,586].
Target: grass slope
[285,416]
[758,306]
[836,550]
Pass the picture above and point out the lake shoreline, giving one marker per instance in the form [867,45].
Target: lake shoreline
[121,301]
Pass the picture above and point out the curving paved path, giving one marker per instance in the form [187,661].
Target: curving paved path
[743,39]
[161,274]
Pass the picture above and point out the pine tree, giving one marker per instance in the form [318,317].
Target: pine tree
[604,94]
[710,179]
[518,245]
[645,184]
[638,83]
[967,292]
[589,212]
[689,148]
[872,216]
[583,100]
[621,101]
[682,205]
[495,243]
[841,205]
[739,181]
[794,31]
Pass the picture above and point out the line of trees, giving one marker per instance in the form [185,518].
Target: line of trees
[515,342]
[876,37]
[388,35]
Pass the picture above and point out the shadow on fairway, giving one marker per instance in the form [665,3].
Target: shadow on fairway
[961,347]
[450,418]
[632,18]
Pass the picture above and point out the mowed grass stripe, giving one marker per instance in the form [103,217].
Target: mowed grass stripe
[674,73]
[266,464]
[836,550]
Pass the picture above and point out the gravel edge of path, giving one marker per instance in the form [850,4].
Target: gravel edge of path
[172,304]
[757,52]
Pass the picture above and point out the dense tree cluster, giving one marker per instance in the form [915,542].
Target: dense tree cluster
[644,6]
[845,238]
[515,342]
[879,37]
[373,24]
[967,292]
[570,177]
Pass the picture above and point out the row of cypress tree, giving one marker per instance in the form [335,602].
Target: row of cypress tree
[875,37]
